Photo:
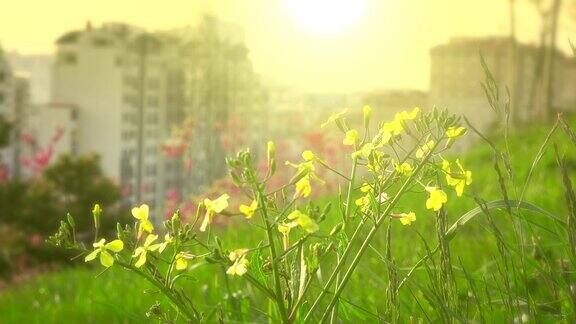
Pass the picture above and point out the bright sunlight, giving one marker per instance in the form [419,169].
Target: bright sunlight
[326,17]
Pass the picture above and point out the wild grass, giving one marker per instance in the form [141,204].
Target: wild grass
[504,264]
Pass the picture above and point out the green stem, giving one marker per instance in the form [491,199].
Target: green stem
[339,265]
[350,189]
[272,245]
[372,232]
[306,287]
[166,291]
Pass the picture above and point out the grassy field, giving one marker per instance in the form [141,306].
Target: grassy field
[485,281]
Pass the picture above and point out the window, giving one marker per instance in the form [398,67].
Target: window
[68,58]
[153,83]
[152,101]
[150,170]
[152,118]
[151,151]
[101,42]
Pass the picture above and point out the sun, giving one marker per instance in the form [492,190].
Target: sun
[325,17]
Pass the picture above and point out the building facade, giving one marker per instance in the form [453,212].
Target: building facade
[457,74]
[131,88]
[14,109]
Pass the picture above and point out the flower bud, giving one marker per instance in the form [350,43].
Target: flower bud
[336,229]
[70,220]
[271,154]
[271,150]
[367,111]
[175,222]
[96,212]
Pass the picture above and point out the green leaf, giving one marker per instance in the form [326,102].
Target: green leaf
[470,215]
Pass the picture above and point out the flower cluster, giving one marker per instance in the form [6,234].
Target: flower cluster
[402,155]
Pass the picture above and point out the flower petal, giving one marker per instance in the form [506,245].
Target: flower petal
[92,255]
[115,246]
[141,260]
[106,259]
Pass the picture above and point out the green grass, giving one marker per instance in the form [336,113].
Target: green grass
[74,296]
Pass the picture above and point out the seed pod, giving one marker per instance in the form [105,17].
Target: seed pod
[336,229]
[70,220]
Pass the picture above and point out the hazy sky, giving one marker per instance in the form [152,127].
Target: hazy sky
[386,48]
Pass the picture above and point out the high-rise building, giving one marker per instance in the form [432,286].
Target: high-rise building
[6,115]
[131,88]
[87,73]
[37,67]
[14,109]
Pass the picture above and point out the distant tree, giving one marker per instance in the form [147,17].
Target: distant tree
[30,210]
[79,183]
[5,129]
[71,185]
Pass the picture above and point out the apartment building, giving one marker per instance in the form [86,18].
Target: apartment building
[14,109]
[131,87]
[457,74]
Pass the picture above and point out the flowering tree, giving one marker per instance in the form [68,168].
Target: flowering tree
[40,156]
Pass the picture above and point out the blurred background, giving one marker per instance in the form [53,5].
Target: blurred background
[125,102]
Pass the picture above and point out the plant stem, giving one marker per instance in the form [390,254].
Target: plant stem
[340,264]
[367,240]
[166,291]
[274,261]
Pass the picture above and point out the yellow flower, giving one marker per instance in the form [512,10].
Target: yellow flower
[304,221]
[364,152]
[407,219]
[308,155]
[284,228]
[141,213]
[364,203]
[181,261]
[405,168]
[96,209]
[102,248]
[396,126]
[303,168]
[437,198]
[381,139]
[167,240]
[425,149]
[238,253]
[366,187]
[351,137]
[404,115]
[213,207]
[239,268]
[240,265]
[453,133]
[248,211]
[143,250]
[303,187]
[458,179]
[367,112]
[333,118]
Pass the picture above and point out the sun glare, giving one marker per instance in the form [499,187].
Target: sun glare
[325,17]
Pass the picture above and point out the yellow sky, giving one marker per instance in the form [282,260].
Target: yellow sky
[388,48]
